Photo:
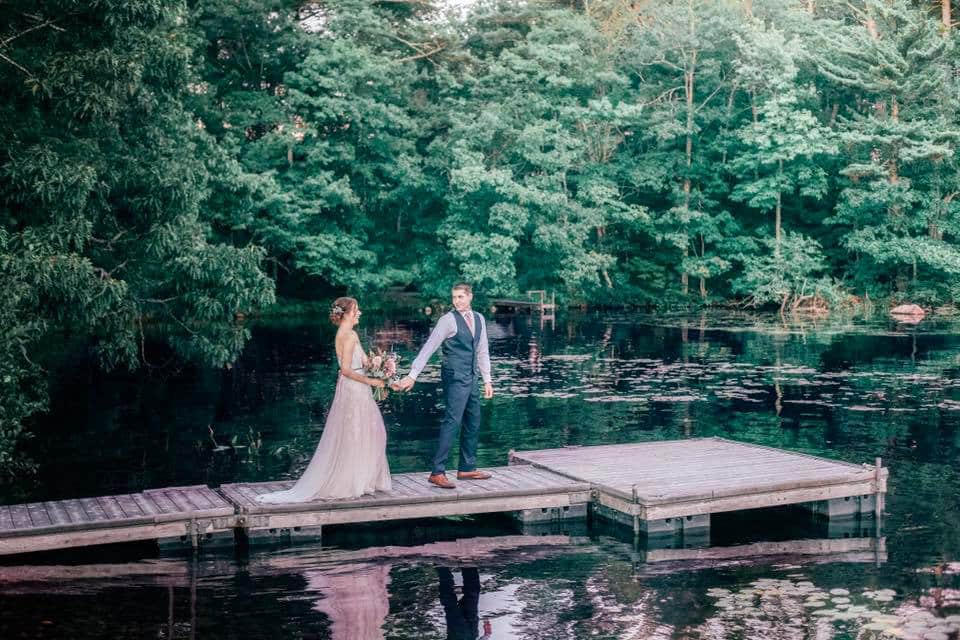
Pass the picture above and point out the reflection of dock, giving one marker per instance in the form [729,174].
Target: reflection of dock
[320,576]
[866,550]
[660,488]
[181,572]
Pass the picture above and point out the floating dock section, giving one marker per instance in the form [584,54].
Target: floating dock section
[527,489]
[182,515]
[659,487]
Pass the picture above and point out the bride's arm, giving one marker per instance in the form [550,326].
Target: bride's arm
[347,371]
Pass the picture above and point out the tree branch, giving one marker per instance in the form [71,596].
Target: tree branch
[48,23]
[425,54]
[18,66]
[709,97]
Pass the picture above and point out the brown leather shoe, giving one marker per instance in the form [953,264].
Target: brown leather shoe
[473,475]
[440,480]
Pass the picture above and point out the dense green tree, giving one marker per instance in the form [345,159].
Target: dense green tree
[102,188]
[900,137]
[780,155]
[242,53]
[681,54]
[536,186]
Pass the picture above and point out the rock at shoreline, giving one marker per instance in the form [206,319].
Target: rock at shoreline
[910,313]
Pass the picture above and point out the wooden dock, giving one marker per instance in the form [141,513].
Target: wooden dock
[660,487]
[524,489]
[185,514]
[668,487]
[536,301]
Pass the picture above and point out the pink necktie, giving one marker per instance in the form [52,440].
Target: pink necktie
[469,318]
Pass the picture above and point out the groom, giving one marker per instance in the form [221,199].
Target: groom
[463,335]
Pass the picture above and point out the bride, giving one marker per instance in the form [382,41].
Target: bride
[351,459]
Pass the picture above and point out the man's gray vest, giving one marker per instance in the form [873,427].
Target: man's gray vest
[460,350]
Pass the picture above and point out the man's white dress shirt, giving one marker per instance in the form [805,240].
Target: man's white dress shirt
[447,328]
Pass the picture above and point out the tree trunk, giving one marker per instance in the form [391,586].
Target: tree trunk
[730,100]
[809,6]
[703,280]
[688,77]
[777,215]
[945,14]
[895,116]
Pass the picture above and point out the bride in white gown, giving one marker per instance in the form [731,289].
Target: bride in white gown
[351,459]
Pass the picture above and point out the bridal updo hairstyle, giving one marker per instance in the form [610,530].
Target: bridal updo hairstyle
[340,307]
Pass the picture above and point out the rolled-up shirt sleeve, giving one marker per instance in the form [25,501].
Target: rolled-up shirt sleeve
[483,351]
[446,328]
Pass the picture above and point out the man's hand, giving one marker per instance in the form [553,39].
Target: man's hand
[487,390]
[406,384]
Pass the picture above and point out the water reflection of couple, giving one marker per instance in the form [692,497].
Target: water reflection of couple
[356,601]
[462,615]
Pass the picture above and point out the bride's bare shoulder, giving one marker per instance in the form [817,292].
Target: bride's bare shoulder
[345,337]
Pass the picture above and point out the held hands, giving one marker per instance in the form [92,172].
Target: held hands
[407,383]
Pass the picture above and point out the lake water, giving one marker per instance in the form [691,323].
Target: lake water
[850,391]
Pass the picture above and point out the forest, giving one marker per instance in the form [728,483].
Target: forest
[171,166]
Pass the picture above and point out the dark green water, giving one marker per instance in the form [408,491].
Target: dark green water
[845,391]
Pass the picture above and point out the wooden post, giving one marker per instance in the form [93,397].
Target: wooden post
[193,597]
[878,503]
[170,611]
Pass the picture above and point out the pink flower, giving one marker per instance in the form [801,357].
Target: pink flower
[391,368]
[376,362]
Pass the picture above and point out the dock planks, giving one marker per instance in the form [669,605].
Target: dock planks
[674,478]
[509,489]
[152,514]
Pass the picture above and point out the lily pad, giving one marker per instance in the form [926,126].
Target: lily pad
[876,626]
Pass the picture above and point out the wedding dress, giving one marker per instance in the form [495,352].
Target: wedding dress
[351,459]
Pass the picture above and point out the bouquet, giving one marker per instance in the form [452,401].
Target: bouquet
[382,365]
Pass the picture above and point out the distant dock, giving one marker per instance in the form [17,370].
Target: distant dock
[665,487]
[536,301]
